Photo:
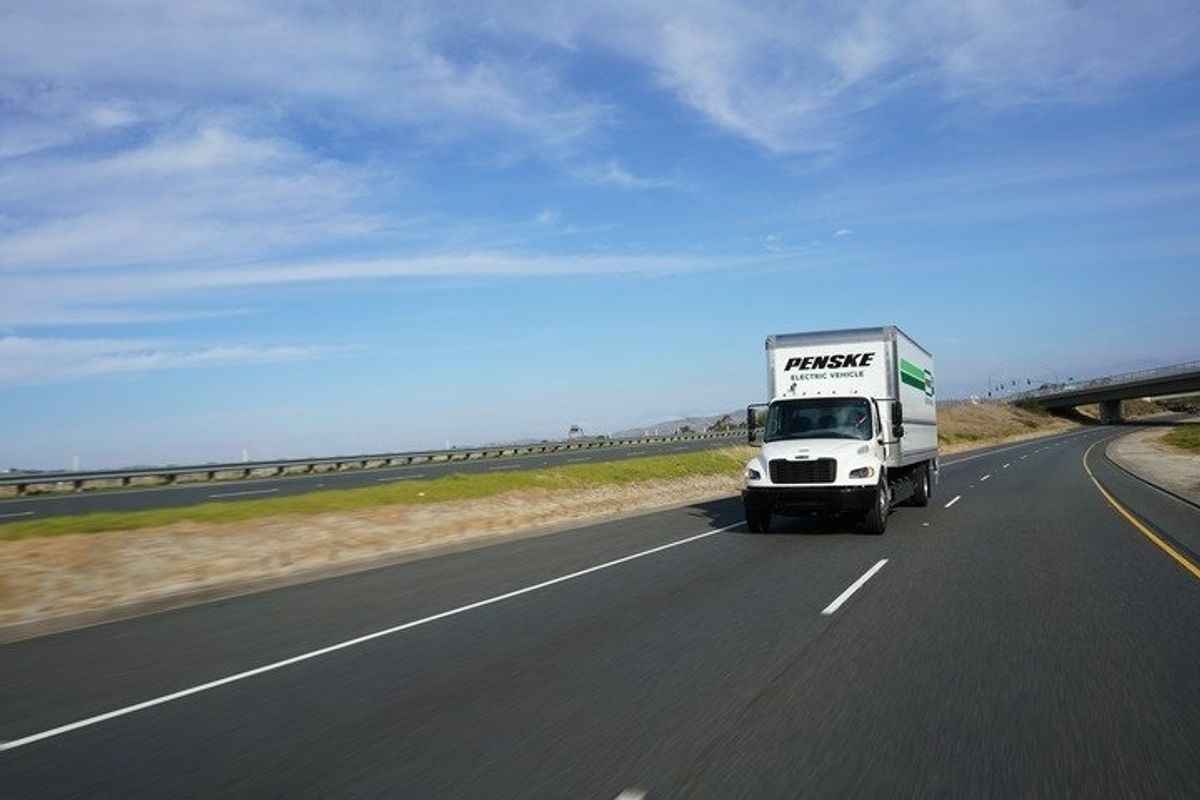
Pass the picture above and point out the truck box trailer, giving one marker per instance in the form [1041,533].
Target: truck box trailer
[850,428]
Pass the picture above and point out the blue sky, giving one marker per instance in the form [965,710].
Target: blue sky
[338,227]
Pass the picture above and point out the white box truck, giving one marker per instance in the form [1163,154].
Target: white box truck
[851,428]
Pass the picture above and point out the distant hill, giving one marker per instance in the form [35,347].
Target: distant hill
[669,427]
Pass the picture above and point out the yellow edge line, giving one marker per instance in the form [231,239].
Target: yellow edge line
[1135,522]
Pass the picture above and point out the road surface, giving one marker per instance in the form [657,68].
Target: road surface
[1019,637]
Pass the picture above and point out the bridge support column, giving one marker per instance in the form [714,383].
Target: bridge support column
[1110,412]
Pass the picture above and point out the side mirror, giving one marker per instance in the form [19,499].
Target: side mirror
[897,420]
[756,419]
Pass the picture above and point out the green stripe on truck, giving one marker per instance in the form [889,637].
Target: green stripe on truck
[908,368]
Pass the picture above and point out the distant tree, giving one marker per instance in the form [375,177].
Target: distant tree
[685,429]
[721,424]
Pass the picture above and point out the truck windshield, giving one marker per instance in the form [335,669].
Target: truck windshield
[819,418]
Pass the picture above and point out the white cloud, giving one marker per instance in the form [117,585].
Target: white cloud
[786,75]
[25,360]
[354,62]
[208,192]
[613,173]
[67,297]
[792,76]
[149,150]
[843,232]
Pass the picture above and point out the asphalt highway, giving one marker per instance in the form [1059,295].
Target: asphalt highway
[230,491]
[1020,637]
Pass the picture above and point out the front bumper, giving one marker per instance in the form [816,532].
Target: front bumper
[800,500]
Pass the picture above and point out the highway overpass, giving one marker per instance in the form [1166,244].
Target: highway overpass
[1108,392]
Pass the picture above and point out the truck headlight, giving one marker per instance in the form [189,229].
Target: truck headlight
[863,472]
[753,474]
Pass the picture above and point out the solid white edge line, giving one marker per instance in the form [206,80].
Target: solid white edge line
[243,494]
[333,648]
[18,514]
[957,497]
[854,587]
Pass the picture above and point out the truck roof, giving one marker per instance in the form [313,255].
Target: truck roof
[886,332]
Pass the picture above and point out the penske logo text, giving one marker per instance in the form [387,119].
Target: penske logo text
[839,361]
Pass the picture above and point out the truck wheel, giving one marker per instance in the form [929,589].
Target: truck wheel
[875,521]
[758,521]
[922,488]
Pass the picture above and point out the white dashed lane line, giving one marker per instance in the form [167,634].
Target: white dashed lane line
[245,493]
[854,587]
[957,497]
[985,477]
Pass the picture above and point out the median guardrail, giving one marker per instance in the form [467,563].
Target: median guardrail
[45,482]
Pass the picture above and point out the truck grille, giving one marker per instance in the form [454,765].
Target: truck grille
[821,470]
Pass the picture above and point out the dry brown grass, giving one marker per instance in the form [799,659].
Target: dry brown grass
[965,426]
[49,576]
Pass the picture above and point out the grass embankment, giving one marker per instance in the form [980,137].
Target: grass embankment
[962,426]
[728,461]
[1185,437]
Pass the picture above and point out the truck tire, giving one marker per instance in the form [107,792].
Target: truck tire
[758,521]
[922,487]
[875,521]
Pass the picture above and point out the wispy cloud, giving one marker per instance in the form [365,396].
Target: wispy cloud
[151,151]
[773,242]
[792,76]
[211,191]
[613,173]
[353,61]
[26,360]
[60,297]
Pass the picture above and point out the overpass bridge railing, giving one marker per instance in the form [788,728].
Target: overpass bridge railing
[1109,380]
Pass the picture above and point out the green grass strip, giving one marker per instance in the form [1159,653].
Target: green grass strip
[727,461]
[1185,437]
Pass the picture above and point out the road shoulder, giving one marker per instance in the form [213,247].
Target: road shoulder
[1142,454]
